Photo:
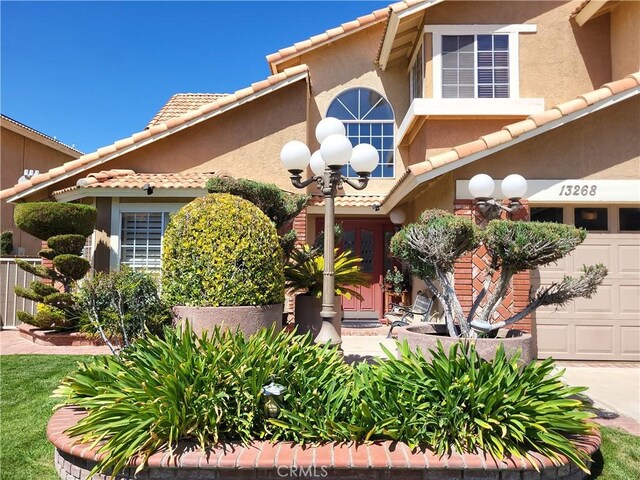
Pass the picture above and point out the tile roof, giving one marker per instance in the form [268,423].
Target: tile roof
[579,8]
[330,35]
[512,131]
[120,178]
[162,129]
[181,103]
[348,200]
[40,134]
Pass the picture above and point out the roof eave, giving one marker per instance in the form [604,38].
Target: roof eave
[101,192]
[410,181]
[304,75]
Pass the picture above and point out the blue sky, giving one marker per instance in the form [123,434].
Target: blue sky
[90,73]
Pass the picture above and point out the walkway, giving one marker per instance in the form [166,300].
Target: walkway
[11,343]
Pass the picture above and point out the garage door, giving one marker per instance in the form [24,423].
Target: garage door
[607,326]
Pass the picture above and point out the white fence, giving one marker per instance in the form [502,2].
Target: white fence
[10,276]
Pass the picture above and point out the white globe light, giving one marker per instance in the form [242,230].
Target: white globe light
[295,155]
[336,150]
[329,126]
[317,163]
[481,186]
[364,158]
[514,186]
[397,216]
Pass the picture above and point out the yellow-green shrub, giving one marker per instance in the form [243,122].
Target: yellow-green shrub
[221,250]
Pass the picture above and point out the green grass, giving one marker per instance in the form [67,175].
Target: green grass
[25,407]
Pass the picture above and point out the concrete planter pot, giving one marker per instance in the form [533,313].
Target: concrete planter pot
[308,317]
[425,338]
[247,319]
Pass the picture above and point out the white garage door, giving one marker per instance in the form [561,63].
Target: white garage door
[607,326]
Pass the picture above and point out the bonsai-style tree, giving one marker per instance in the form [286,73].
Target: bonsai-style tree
[433,244]
[65,227]
[281,207]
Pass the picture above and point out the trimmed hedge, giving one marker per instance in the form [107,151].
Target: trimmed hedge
[71,266]
[278,205]
[48,219]
[71,244]
[221,250]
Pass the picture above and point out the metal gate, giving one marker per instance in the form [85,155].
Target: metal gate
[10,276]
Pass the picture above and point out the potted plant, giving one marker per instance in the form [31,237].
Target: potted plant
[304,273]
[397,286]
[432,246]
[222,265]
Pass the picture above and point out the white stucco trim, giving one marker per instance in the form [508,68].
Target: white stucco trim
[129,193]
[392,28]
[117,209]
[513,31]
[467,107]
[569,191]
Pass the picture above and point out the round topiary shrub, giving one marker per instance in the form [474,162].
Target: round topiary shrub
[221,250]
[47,219]
[69,244]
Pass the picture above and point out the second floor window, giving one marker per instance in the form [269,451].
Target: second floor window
[475,66]
[368,118]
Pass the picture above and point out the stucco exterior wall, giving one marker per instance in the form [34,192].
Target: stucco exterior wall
[436,136]
[597,146]
[625,39]
[244,142]
[349,63]
[19,153]
[559,61]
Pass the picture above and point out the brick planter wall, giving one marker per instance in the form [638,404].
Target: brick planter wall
[381,460]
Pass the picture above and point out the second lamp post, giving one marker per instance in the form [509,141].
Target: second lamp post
[326,164]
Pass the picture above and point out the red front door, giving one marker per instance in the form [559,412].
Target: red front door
[366,238]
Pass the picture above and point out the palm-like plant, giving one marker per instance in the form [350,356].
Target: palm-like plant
[305,268]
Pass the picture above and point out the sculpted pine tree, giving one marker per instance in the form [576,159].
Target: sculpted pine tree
[433,245]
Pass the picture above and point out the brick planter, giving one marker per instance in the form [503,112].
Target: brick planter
[381,460]
[55,338]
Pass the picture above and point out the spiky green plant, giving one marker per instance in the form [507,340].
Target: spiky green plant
[305,270]
[459,401]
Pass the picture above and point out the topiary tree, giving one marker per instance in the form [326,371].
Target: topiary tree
[65,227]
[221,250]
[432,245]
[281,207]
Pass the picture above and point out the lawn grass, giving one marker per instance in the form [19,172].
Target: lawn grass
[25,407]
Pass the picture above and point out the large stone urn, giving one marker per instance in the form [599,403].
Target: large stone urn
[307,312]
[426,338]
[247,319]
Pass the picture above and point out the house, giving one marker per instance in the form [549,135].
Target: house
[444,90]
[25,152]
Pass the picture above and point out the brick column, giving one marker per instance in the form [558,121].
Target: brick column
[470,272]
[45,262]
[300,226]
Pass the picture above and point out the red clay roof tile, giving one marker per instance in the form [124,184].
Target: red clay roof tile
[518,128]
[181,103]
[348,200]
[85,160]
[512,131]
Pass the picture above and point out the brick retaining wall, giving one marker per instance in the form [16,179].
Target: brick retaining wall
[263,460]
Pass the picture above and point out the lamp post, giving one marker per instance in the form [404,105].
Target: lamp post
[335,151]
[481,187]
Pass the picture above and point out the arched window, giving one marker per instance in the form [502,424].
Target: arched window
[368,118]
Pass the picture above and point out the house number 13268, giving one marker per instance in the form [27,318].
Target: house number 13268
[578,190]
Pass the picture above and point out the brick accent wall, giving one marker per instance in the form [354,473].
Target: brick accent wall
[470,273]
[300,226]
